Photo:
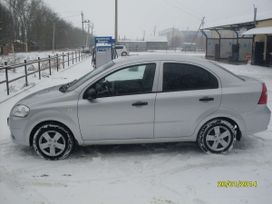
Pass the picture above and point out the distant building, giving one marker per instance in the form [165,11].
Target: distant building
[152,43]
[181,38]
[156,43]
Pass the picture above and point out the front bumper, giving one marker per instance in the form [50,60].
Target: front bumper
[17,130]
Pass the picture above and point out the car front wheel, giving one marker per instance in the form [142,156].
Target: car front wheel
[217,136]
[53,141]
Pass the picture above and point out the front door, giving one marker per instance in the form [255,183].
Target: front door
[123,108]
[188,93]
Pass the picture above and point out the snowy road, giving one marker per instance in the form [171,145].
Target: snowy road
[136,174]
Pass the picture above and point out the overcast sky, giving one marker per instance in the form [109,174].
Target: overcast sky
[139,16]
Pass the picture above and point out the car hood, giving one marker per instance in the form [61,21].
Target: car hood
[45,96]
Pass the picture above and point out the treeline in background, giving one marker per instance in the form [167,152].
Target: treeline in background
[29,25]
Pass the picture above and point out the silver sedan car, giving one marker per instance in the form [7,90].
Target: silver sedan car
[143,99]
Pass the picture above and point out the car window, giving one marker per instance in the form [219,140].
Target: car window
[184,77]
[119,47]
[130,80]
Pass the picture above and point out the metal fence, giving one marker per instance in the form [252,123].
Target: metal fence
[57,62]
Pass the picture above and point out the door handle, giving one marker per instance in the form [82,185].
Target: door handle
[140,103]
[206,99]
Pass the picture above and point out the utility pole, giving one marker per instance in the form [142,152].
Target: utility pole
[92,32]
[199,28]
[172,38]
[92,28]
[255,14]
[88,34]
[53,37]
[144,35]
[116,21]
[82,21]
[26,39]
[155,29]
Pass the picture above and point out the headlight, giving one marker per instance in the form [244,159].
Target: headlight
[20,111]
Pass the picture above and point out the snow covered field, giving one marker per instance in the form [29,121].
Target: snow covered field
[176,173]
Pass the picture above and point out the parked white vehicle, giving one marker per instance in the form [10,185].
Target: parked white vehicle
[121,50]
[143,99]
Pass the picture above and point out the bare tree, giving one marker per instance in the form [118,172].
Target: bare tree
[33,22]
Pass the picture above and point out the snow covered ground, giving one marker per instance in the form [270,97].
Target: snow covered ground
[136,174]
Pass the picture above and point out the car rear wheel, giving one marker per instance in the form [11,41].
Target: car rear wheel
[217,136]
[53,142]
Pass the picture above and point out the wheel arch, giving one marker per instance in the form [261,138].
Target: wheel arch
[54,122]
[233,121]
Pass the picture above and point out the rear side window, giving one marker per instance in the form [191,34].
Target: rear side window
[185,77]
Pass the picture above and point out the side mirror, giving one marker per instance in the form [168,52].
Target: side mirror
[90,94]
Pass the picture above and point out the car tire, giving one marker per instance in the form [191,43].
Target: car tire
[53,141]
[124,54]
[217,136]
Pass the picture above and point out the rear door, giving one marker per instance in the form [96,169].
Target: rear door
[188,93]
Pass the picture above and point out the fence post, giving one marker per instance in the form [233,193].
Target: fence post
[57,62]
[63,65]
[26,80]
[49,64]
[68,59]
[39,67]
[76,56]
[7,81]
[79,55]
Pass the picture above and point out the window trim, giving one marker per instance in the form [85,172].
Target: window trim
[104,75]
[160,89]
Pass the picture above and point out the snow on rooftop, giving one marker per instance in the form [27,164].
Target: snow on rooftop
[149,39]
[238,20]
[258,31]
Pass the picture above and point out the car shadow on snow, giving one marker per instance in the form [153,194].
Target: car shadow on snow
[136,149]
[250,143]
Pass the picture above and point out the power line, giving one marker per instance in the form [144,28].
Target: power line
[190,11]
[170,3]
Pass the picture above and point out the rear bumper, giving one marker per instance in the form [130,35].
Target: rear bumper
[257,120]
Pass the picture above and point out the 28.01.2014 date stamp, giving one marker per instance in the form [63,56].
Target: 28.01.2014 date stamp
[237,184]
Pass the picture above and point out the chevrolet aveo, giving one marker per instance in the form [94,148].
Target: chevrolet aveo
[143,99]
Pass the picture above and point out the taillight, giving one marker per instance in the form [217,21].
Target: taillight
[263,97]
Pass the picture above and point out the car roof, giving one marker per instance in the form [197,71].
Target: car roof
[159,57]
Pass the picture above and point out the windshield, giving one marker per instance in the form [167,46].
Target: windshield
[89,75]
